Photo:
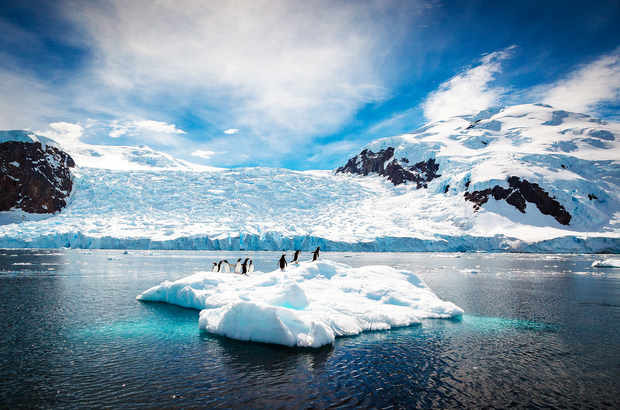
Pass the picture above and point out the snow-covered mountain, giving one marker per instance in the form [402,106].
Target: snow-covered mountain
[562,164]
[524,178]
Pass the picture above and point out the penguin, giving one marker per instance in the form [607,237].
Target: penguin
[315,254]
[215,267]
[250,267]
[296,257]
[238,266]
[220,268]
[244,266]
[282,262]
[226,266]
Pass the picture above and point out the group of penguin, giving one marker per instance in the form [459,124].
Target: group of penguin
[244,268]
[247,266]
[282,262]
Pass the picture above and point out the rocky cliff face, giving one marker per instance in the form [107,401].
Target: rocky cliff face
[34,175]
[395,170]
[518,193]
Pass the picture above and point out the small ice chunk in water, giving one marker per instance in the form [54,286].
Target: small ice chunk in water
[608,263]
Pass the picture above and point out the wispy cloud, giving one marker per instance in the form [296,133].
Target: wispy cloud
[290,75]
[469,91]
[286,70]
[24,101]
[587,88]
[133,132]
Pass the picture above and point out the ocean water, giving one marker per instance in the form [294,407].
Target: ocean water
[539,331]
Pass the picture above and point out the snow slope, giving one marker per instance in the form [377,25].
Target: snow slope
[307,305]
[572,157]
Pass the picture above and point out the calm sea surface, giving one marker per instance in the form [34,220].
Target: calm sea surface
[539,331]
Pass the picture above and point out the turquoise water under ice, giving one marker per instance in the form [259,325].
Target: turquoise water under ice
[539,331]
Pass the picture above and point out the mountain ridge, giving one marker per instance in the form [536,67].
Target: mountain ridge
[561,169]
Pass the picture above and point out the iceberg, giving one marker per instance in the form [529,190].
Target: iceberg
[607,263]
[306,305]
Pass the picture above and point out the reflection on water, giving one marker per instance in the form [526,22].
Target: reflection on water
[539,331]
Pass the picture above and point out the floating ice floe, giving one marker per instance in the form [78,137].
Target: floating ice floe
[306,305]
[608,263]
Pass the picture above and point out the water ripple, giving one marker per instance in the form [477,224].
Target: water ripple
[78,339]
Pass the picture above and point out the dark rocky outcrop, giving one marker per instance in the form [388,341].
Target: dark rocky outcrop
[397,171]
[34,177]
[518,194]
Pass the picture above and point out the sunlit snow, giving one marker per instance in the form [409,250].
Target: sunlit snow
[306,305]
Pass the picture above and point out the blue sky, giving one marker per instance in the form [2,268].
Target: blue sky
[294,84]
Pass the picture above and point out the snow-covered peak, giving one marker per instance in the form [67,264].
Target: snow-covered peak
[27,137]
[532,141]
[541,161]
[522,130]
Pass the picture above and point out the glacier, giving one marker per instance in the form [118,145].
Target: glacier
[128,198]
[306,305]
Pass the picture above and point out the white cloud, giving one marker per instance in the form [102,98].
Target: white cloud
[231,131]
[207,154]
[468,92]
[123,127]
[587,88]
[285,70]
[138,132]
[64,133]
[157,126]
